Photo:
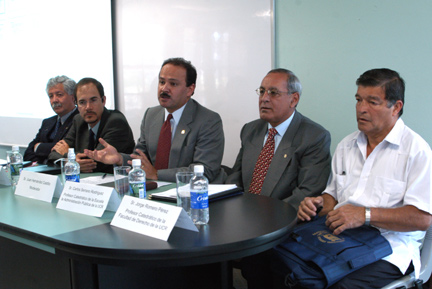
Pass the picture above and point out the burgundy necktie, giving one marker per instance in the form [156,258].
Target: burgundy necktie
[164,145]
[263,163]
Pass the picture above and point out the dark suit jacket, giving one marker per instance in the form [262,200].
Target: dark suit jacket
[300,166]
[43,137]
[199,139]
[113,128]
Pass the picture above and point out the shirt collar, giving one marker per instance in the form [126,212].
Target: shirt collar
[393,137]
[95,128]
[66,116]
[282,128]
[176,114]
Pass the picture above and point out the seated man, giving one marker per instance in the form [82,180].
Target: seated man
[298,163]
[381,176]
[176,134]
[93,122]
[60,91]
[283,155]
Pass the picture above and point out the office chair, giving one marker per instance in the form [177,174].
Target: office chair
[426,266]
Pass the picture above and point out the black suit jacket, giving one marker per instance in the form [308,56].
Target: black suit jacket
[43,137]
[113,128]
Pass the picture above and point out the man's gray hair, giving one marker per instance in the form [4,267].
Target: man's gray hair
[294,84]
[68,83]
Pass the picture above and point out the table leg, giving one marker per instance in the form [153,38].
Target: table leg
[226,275]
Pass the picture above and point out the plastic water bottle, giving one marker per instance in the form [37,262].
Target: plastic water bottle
[199,196]
[137,180]
[16,165]
[72,168]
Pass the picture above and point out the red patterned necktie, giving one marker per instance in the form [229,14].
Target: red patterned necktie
[263,163]
[164,145]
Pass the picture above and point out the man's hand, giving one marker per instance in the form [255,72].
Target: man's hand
[61,147]
[150,170]
[308,208]
[86,165]
[109,155]
[345,217]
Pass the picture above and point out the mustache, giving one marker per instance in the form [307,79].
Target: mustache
[55,105]
[164,94]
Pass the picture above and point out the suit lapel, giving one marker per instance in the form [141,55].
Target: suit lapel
[49,127]
[254,147]
[154,132]
[181,133]
[282,157]
[65,127]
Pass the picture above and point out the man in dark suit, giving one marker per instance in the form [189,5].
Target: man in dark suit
[93,122]
[300,165]
[283,155]
[195,133]
[60,91]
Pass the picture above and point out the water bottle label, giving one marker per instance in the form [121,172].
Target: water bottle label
[199,200]
[72,178]
[138,190]
[16,169]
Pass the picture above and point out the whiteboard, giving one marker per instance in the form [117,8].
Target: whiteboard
[229,43]
[42,39]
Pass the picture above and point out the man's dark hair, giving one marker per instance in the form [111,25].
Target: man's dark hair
[389,80]
[88,80]
[191,74]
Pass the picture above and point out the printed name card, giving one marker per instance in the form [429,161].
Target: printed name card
[37,186]
[85,199]
[151,218]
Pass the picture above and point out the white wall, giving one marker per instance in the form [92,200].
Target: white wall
[328,44]
[42,39]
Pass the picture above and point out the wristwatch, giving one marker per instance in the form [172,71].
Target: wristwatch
[367,216]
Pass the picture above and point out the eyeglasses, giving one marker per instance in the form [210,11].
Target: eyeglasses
[83,103]
[271,92]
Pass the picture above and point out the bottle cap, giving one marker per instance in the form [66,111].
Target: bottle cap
[136,162]
[198,169]
[15,148]
[71,153]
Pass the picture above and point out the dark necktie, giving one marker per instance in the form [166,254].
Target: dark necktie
[91,140]
[263,163]
[54,132]
[164,145]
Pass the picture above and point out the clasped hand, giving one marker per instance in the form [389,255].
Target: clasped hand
[338,220]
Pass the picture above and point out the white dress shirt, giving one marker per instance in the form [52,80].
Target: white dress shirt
[396,173]
[281,129]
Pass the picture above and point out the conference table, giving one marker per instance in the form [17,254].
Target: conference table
[45,247]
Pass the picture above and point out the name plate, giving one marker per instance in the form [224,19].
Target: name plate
[37,186]
[85,199]
[151,218]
